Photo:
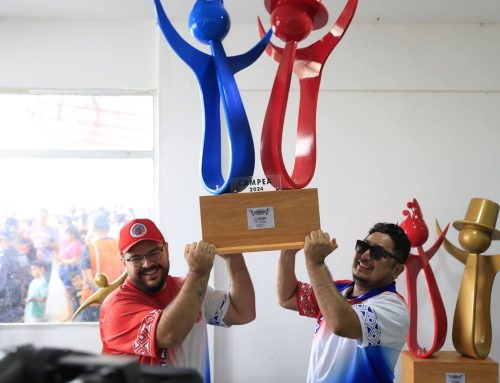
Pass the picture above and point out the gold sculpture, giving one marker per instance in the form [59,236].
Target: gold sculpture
[472,320]
[104,290]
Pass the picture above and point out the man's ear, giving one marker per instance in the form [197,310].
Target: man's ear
[398,269]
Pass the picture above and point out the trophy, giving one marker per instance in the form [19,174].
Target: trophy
[233,223]
[471,323]
[472,320]
[417,231]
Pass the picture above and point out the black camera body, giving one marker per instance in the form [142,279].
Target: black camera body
[27,364]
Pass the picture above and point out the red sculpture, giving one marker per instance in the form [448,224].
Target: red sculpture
[417,231]
[292,21]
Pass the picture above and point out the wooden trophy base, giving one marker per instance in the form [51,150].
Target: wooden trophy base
[448,367]
[246,222]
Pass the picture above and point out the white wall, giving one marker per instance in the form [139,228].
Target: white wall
[73,54]
[404,111]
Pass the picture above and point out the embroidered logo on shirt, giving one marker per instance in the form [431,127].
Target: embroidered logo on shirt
[371,322]
[142,344]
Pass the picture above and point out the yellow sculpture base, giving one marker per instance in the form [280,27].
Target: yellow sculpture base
[458,367]
[225,220]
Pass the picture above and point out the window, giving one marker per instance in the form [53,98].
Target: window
[73,169]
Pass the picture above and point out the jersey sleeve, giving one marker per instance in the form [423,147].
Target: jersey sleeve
[306,300]
[216,304]
[384,321]
[128,327]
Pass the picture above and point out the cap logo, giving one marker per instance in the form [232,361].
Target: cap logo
[138,230]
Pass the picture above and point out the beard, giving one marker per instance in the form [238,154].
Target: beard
[148,288]
[360,281]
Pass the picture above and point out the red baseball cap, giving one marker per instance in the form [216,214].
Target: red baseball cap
[137,230]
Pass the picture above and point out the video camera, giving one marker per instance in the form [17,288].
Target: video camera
[27,364]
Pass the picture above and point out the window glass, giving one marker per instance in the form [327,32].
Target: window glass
[61,210]
[67,122]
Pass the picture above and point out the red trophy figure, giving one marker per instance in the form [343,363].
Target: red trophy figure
[293,21]
[417,231]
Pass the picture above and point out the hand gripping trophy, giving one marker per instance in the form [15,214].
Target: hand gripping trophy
[472,321]
[418,233]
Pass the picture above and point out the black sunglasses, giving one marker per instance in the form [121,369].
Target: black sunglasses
[376,252]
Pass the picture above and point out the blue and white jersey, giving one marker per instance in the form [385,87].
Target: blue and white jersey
[384,322]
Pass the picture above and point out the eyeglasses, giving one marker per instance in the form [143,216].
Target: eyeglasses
[376,252]
[137,260]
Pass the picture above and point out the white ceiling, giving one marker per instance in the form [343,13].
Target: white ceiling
[246,11]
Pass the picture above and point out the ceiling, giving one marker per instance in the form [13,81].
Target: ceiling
[246,11]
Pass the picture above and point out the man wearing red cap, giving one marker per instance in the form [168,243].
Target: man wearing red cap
[161,319]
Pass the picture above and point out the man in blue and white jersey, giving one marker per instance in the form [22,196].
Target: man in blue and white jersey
[361,324]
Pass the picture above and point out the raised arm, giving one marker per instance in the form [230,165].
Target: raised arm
[340,317]
[286,281]
[180,315]
[242,307]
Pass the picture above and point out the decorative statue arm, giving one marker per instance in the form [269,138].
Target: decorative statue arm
[459,254]
[240,62]
[101,294]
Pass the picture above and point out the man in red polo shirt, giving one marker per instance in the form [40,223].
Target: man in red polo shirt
[161,319]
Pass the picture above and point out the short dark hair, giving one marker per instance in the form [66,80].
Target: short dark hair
[401,242]
[72,230]
[38,263]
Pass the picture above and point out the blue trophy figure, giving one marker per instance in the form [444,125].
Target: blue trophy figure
[209,23]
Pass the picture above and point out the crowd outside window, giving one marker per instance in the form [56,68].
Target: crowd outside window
[70,249]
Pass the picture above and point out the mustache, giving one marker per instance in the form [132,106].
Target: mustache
[151,268]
